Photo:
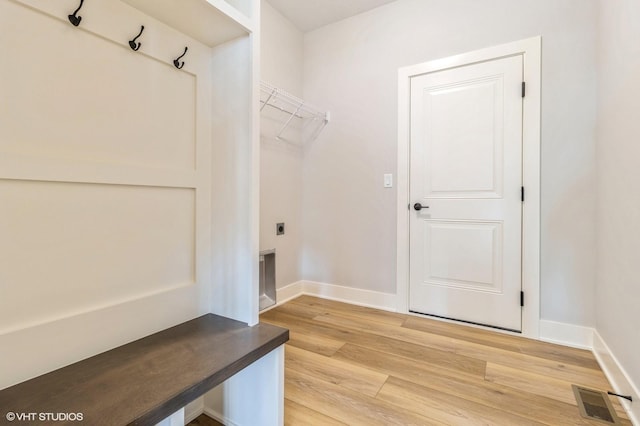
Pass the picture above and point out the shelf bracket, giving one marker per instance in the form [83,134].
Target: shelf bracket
[289,121]
[273,95]
[315,134]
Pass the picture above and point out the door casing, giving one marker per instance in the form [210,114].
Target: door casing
[531,51]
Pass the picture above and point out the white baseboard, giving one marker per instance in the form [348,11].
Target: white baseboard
[176,419]
[354,296]
[284,294]
[193,410]
[618,377]
[219,417]
[576,336]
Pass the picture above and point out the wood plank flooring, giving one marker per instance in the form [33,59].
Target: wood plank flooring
[352,365]
[204,420]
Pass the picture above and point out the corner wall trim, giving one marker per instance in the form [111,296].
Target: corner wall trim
[618,377]
[576,336]
[354,296]
[218,417]
[193,410]
[291,291]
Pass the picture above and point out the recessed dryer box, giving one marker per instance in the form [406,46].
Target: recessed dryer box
[267,289]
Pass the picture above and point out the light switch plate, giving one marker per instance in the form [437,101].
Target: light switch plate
[388,180]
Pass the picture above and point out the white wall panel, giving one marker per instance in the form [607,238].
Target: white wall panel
[235,186]
[115,107]
[466,153]
[464,255]
[105,182]
[82,245]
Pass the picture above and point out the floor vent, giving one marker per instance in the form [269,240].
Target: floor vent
[595,405]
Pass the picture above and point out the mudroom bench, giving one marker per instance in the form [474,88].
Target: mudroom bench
[148,380]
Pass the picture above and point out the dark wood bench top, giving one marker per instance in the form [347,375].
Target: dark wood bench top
[145,381]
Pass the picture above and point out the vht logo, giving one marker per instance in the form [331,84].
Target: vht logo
[44,417]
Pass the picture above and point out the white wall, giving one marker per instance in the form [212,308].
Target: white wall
[105,224]
[618,213]
[235,181]
[90,207]
[350,68]
[281,161]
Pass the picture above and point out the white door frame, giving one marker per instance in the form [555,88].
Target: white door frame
[530,49]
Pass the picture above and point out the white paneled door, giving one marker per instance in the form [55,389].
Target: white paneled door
[465,187]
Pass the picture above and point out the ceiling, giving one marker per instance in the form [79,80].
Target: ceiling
[308,15]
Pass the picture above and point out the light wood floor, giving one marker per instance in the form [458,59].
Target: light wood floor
[359,366]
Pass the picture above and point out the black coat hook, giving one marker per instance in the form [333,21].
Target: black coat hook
[74,18]
[176,62]
[132,43]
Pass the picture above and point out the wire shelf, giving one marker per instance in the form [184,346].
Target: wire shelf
[292,107]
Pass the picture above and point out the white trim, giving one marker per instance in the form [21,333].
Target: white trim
[218,417]
[354,296]
[565,334]
[576,336]
[176,419]
[255,49]
[193,410]
[284,294]
[531,51]
[618,377]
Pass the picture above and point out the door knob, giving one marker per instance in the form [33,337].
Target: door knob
[418,207]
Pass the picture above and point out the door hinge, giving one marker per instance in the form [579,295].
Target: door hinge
[524,89]
[522,298]
[522,193]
